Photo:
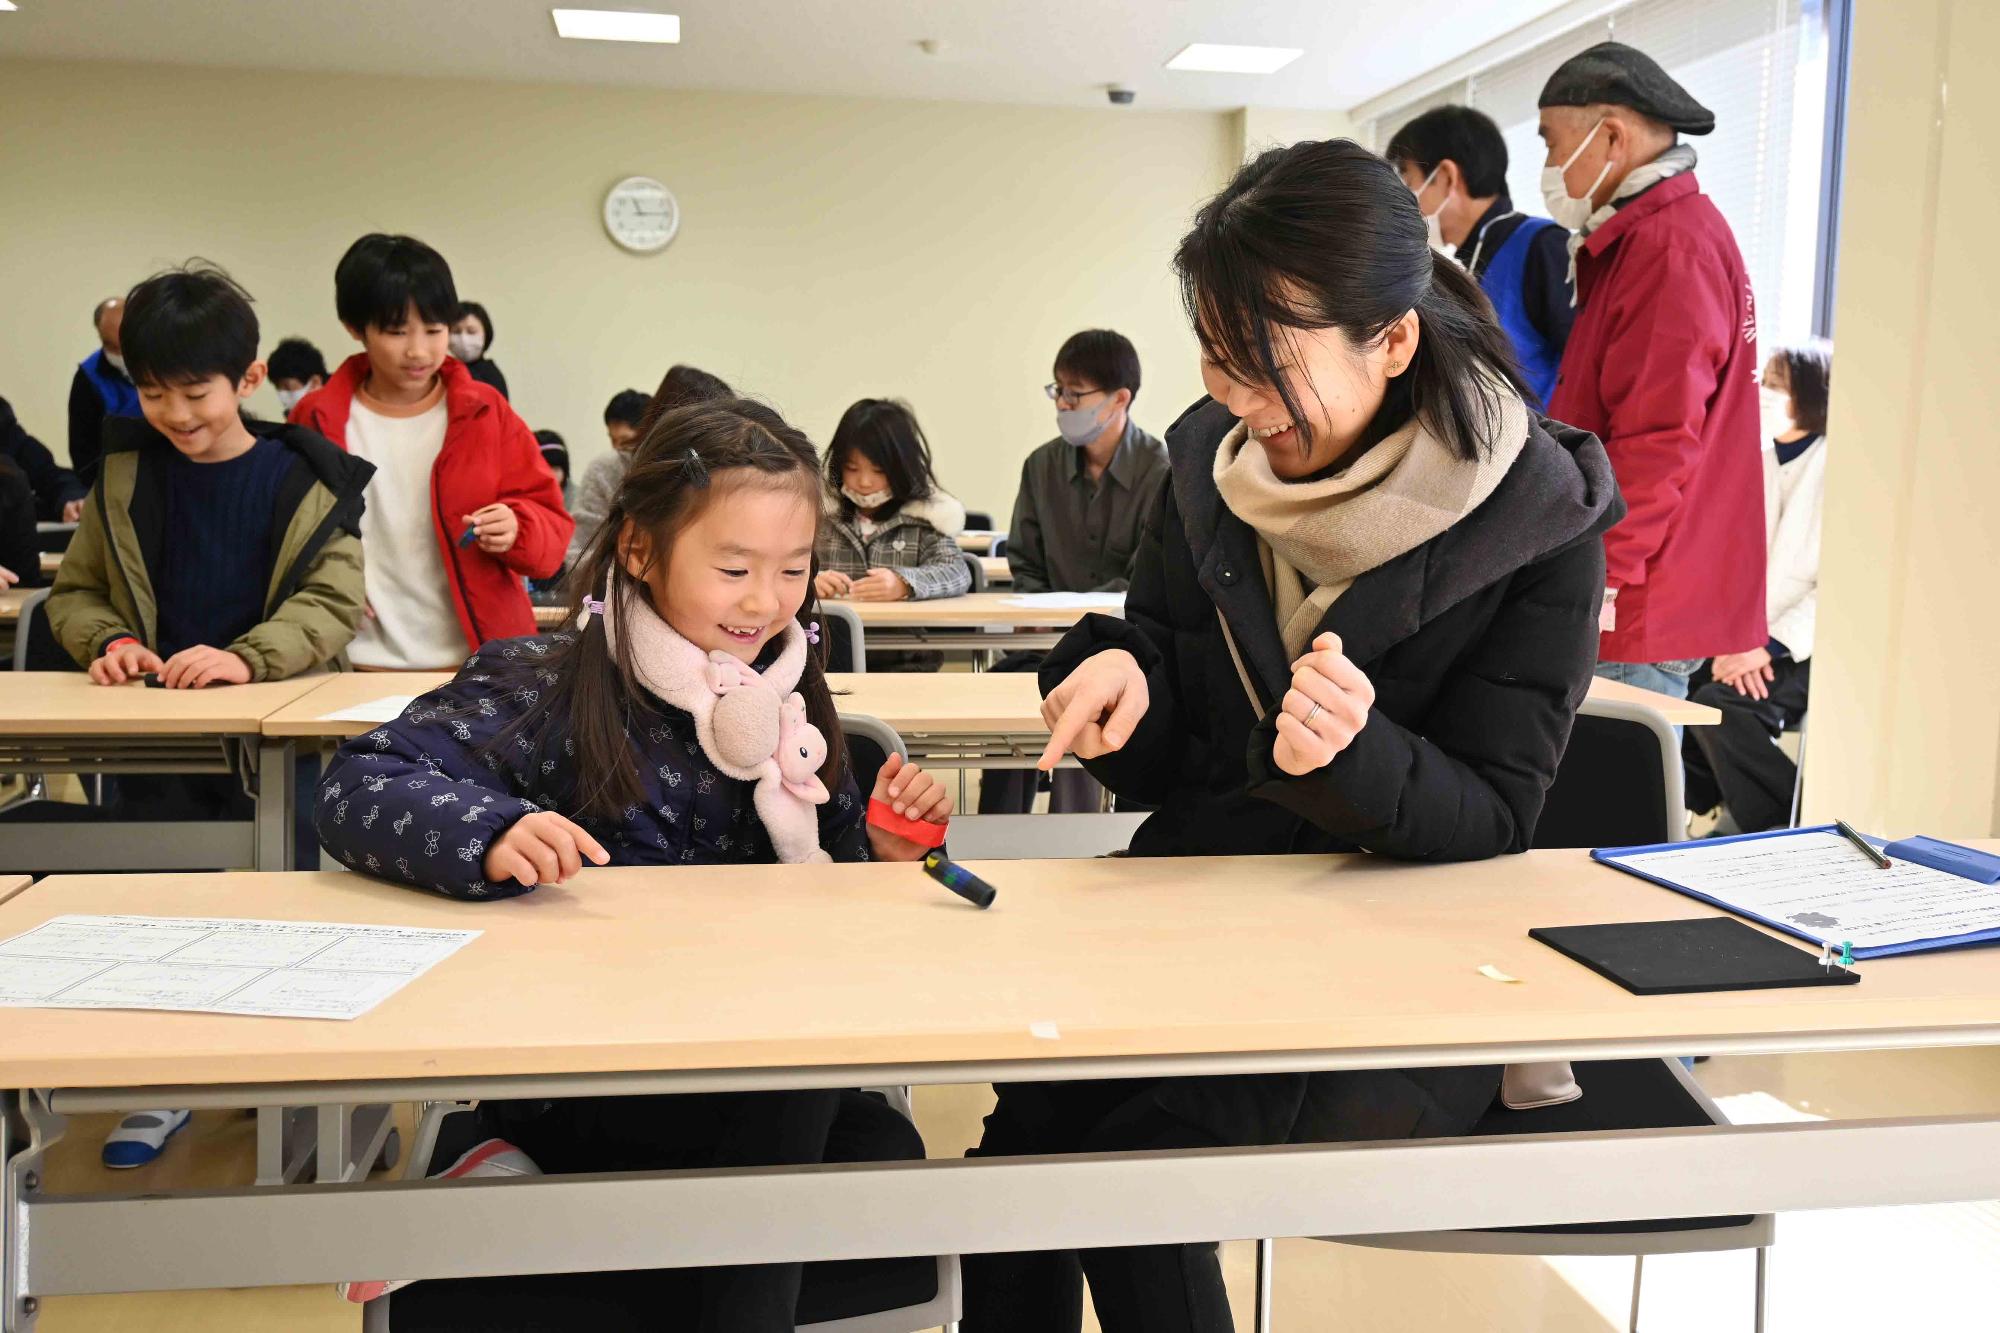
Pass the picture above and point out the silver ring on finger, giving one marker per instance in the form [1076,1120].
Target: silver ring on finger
[1312,713]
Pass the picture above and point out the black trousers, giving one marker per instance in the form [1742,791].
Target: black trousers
[656,1134]
[1737,763]
[1178,1288]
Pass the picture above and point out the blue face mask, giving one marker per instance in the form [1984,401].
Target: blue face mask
[1081,425]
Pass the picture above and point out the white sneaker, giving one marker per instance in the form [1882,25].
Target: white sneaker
[494,1157]
[141,1136]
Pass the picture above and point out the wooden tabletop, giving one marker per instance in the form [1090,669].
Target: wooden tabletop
[761,967]
[66,703]
[968,703]
[972,611]
[51,561]
[979,543]
[1678,712]
[307,714]
[997,569]
[11,600]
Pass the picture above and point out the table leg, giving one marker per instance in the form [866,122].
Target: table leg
[27,1128]
[276,796]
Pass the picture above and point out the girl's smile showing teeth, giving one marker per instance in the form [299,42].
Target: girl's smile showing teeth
[1267,433]
[742,635]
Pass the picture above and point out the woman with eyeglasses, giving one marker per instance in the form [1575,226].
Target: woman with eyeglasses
[1362,617]
[1077,517]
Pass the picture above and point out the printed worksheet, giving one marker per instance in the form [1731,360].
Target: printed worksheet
[274,969]
[386,709]
[1818,884]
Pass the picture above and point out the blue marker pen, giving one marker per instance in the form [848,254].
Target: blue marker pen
[959,880]
[471,535]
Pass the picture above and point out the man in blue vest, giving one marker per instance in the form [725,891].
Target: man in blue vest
[1455,161]
[100,389]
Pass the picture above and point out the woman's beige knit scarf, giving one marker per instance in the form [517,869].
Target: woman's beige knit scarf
[1394,498]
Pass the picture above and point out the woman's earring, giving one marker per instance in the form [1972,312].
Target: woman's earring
[1395,367]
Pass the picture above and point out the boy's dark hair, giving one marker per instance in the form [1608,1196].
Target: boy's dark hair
[296,359]
[684,461]
[380,276]
[188,324]
[679,387]
[886,433]
[478,312]
[1325,235]
[1101,357]
[1809,371]
[627,407]
[1467,137]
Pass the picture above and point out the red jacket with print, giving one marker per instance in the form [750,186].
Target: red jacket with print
[1662,366]
[489,456]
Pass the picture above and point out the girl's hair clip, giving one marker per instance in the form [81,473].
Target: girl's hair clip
[812,632]
[592,606]
[697,470]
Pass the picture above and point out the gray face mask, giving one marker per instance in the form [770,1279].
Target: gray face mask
[1081,425]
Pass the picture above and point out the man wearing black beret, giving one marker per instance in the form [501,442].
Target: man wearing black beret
[1661,365]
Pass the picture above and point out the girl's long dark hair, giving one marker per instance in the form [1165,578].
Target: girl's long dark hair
[1809,372]
[886,433]
[589,695]
[1326,235]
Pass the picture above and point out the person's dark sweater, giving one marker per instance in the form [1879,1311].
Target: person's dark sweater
[53,485]
[215,564]
[20,554]
[486,372]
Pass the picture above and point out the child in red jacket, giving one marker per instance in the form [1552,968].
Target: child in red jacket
[462,508]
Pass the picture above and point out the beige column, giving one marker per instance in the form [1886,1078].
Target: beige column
[1905,723]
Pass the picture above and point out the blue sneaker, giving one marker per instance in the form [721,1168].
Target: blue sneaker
[141,1136]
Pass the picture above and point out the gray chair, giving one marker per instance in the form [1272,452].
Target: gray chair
[870,742]
[32,628]
[1619,783]
[846,644]
[941,1309]
[1618,1094]
[978,571]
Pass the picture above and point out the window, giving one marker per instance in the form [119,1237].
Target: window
[1760,66]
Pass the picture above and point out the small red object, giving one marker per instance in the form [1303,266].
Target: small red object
[920,831]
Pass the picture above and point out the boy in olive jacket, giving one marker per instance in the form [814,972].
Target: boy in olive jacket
[212,551]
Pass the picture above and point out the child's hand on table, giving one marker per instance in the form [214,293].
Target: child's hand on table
[124,661]
[199,666]
[542,848]
[913,794]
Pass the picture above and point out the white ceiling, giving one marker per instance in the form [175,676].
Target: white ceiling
[1042,52]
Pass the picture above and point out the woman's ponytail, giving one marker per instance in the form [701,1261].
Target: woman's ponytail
[1464,360]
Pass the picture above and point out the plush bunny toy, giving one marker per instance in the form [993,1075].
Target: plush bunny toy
[752,724]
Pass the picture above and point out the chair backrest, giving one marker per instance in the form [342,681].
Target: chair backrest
[977,520]
[35,646]
[846,645]
[1619,783]
[870,742]
[999,546]
[978,572]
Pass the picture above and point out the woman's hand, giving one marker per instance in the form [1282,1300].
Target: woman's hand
[1323,711]
[8,578]
[496,526]
[879,585]
[832,583]
[200,666]
[541,848]
[1095,710]
[913,794]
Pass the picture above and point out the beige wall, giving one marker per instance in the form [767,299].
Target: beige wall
[1261,127]
[1905,730]
[831,248]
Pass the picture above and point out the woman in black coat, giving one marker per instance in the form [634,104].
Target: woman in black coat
[1362,618]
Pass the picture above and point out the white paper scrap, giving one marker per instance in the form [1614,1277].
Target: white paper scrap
[1045,1030]
[1492,973]
[274,969]
[386,709]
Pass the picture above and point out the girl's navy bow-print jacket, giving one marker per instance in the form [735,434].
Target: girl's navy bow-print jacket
[421,799]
